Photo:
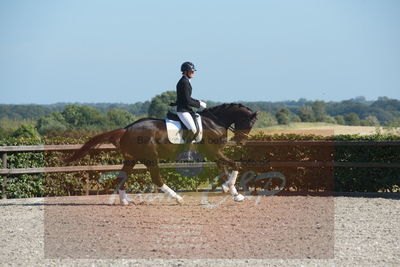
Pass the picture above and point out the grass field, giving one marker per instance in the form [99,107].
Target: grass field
[320,128]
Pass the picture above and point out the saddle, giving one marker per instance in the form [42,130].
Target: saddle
[176,128]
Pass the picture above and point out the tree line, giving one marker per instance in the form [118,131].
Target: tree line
[41,119]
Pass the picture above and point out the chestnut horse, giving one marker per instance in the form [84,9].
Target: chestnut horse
[146,141]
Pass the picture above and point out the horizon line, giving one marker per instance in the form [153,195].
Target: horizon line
[237,101]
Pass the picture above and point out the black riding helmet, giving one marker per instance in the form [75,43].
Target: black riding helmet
[187,66]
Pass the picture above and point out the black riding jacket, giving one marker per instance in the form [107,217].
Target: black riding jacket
[184,99]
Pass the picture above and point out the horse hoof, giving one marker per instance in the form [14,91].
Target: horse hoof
[124,202]
[238,198]
[179,200]
[225,188]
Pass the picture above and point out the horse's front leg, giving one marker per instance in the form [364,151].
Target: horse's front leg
[229,184]
[223,161]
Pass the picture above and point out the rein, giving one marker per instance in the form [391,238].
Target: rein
[218,121]
[229,127]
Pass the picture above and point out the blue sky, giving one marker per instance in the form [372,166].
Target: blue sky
[128,51]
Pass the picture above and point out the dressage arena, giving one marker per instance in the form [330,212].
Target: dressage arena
[208,229]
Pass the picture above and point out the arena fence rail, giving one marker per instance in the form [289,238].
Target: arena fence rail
[37,148]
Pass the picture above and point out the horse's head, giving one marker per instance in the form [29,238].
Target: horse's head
[244,121]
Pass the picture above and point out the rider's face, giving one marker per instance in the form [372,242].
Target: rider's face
[190,73]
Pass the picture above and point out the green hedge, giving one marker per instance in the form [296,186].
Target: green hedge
[76,183]
[297,178]
[23,185]
[348,179]
[367,179]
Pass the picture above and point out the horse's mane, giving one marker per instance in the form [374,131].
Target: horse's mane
[224,106]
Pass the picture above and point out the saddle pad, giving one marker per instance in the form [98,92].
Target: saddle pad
[174,130]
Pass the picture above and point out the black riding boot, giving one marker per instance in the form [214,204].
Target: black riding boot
[186,154]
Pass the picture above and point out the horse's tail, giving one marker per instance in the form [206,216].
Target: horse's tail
[108,137]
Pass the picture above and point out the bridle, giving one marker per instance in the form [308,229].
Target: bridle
[229,127]
[218,121]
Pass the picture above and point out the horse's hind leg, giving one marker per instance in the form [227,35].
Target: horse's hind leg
[122,177]
[158,181]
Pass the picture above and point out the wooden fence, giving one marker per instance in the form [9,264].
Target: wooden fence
[37,148]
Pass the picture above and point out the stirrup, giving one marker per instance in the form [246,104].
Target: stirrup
[186,156]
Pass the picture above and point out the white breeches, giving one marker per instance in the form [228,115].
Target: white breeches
[187,119]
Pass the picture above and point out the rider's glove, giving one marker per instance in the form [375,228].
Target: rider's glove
[203,104]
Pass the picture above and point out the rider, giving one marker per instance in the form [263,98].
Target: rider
[185,101]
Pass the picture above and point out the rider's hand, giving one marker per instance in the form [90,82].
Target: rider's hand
[203,104]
